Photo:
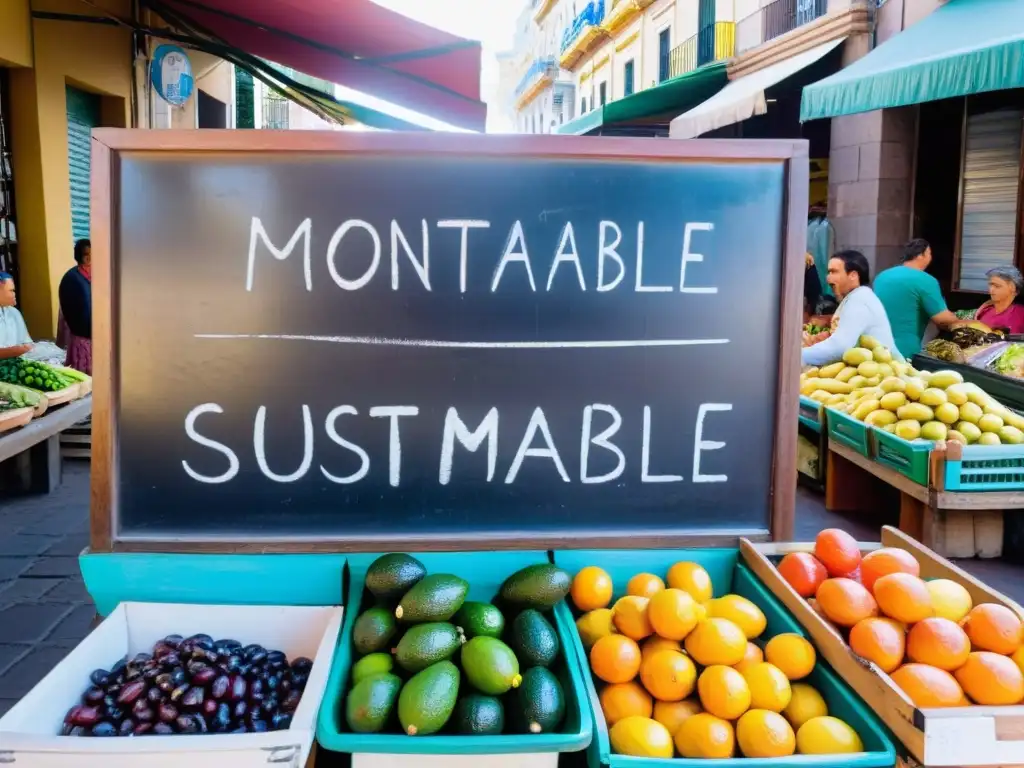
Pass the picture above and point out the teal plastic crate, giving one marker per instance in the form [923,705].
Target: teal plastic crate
[909,458]
[847,431]
[986,468]
[485,572]
[811,413]
[728,575]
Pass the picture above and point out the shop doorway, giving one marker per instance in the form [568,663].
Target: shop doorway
[213,113]
[8,227]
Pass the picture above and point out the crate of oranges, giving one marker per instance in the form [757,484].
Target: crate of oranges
[939,655]
[691,658]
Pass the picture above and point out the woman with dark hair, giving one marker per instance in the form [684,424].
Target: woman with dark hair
[75,321]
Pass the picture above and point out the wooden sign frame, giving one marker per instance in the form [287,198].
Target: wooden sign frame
[109,144]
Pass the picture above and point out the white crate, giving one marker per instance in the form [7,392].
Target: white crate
[524,760]
[28,733]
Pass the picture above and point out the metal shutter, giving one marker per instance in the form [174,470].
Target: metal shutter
[990,188]
[83,116]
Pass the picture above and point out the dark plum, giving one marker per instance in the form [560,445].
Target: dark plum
[193,698]
[254,654]
[143,728]
[127,727]
[81,715]
[180,691]
[100,677]
[257,690]
[226,647]
[195,666]
[291,701]
[240,710]
[209,707]
[79,731]
[173,640]
[204,676]
[240,729]
[201,723]
[132,673]
[281,721]
[302,664]
[233,663]
[154,695]
[179,676]
[299,679]
[272,682]
[221,719]
[269,705]
[115,714]
[118,668]
[162,729]
[239,687]
[142,658]
[131,692]
[162,649]
[186,724]
[167,713]
[219,687]
[93,695]
[164,682]
[142,711]
[259,726]
[277,660]
[172,659]
[104,728]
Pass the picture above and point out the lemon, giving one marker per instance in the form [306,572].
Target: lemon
[654,644]
[949,599]
[641,737]
[751,656]
[827,736]
[631,618]
[672,714]
[769,687]
[723,692]
[741,612]
[804,704]
[673,613]
[792,654]
[716,641]
[594,625]
[691,578]
[706,736]
[761,733]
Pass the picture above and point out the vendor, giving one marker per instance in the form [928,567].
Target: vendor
[859,312]
[1001,310]
[14,338]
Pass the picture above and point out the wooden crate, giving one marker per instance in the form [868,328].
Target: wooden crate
[76,440]
[957,736]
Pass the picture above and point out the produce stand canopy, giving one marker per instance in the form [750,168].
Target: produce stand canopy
[361,340]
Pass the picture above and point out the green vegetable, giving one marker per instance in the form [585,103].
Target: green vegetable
[1011,362]
[36,375]
[19,397]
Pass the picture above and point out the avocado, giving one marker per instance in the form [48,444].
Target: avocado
[539,586]
[391,576]
[434,598]
[374,664]
[370,703]
[373,630]
[428,699]
[479,619]
[490,665]
[539,702]
[533,639]
[426,644]
[479,715]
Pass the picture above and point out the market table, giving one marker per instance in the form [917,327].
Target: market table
[35,448]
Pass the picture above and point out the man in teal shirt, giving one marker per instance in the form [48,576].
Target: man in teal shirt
[912,298]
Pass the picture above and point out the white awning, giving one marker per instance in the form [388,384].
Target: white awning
[742,99]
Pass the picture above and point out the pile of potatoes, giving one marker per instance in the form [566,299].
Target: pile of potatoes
[872,387]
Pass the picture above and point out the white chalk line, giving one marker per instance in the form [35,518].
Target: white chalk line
[435,343]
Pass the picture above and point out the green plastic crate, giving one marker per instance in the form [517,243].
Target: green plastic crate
[485,572]
[909,458]
[728,574]
[847,431]
[811,413]
[986,468]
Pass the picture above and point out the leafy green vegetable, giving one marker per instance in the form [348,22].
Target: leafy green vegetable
[1011,362]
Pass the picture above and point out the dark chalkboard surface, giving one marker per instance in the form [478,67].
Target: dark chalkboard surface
[503,380]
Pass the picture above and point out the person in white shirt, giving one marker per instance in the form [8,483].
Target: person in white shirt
[14,338]
[860,313]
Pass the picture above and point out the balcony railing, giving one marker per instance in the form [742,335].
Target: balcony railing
[714,42]
[591,16]
[545,65]
[775,19]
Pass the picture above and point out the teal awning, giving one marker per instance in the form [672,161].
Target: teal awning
[658,104]
[963,47]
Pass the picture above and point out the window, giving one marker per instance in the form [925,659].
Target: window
[603,92]
[583,106]
[664,50]
[627,78]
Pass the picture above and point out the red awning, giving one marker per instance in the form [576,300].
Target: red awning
[355,43]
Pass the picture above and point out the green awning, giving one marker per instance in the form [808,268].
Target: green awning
[963,47]
[658,104]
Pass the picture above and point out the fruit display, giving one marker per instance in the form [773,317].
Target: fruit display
[683,672]
[192,685]
[14,396]
[37,375]
[929,637]
[431,661]
[1010,362]
[868,385]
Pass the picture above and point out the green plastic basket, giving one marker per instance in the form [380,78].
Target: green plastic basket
[811,413]
[728,574]
[485,572]
[909,458]
[847,431]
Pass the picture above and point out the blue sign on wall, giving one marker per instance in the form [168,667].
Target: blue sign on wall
[171,74]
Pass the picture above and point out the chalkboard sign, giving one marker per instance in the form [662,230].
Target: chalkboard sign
[443,339]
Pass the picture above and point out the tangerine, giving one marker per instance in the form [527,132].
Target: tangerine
[668,675]
[621,700]
[672,714]
[938,642]
[655,643]
[705,736]
[716,641]
[845,602]
[803,572]
[591,589]
[994,627]
[991,679]
[793,654]
[928,686]
[630,617]
[644,585]
[769,687]
[673,613]
[615,659]
[884,561]
[723,692]
[879,640]
[904,597]
[691,578]
[838,551]
[752,655]
[741,612]
[761,733]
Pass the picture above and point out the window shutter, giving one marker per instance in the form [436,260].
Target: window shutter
[83,115]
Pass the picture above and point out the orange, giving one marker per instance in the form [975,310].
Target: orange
[1018,658]
[615,659]
[705,736]
[691,578]
[991,679]
[884,561]
[672,714]
[769,687]
[928,686]
[741,612]
[655,643]
[673,613]
[752,655]
[993,627]
[879,640]
[939,642]
[838,551]
[716,641]
[630,617]
[803,572]
[904,597]
[845,602]
[723,692]
[622,700]
[591,589]
[761,733]
[668,675]
[793,654]
[644,585]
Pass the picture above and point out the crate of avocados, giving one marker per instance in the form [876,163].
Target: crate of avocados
[449,656]
[935,652]
[687,657]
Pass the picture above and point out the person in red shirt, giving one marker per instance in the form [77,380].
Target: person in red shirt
[1001,310]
